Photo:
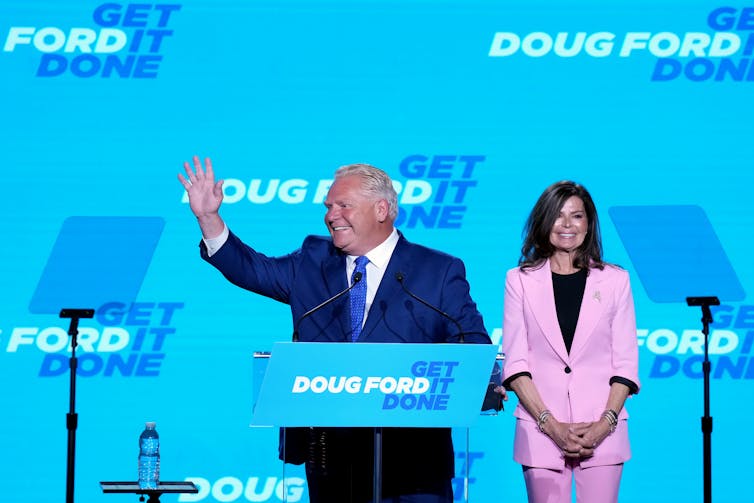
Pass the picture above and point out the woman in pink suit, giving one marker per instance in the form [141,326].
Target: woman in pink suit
[571,353]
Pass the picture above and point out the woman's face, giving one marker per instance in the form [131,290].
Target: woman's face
[569,230]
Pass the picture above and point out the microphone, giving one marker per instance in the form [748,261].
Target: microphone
[77,313]
[705,303]
[702,301]
[356,278]
[400,277]
[74,315]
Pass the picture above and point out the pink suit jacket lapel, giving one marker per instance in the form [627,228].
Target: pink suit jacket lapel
[539,293]
[538,285]
[593,304]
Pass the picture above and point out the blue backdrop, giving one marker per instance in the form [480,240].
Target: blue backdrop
[472,106]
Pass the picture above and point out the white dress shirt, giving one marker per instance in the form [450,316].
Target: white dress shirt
[378,260]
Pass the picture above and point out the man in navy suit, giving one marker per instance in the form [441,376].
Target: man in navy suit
[418,463]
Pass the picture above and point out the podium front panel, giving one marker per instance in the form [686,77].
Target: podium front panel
[364,385]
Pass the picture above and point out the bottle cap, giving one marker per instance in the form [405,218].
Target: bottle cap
[151,424]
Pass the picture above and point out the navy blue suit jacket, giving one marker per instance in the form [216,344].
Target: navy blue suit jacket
[317,271]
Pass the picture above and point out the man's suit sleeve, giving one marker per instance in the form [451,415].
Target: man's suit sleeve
[253,271]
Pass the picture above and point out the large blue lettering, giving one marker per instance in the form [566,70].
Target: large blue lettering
[724,18]
[703,69]
[93,364]
[442,217]
[135,15]
[733,367]
[90,65]
[416,402]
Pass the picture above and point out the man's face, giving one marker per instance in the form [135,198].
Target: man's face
[356,222]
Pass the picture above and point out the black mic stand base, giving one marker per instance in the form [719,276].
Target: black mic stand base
[705,303]
[71,418]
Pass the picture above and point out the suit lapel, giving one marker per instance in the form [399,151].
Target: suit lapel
[592,305]
[400,261]
[334,281]
[541,299]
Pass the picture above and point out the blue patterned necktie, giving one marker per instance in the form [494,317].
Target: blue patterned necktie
[358,297]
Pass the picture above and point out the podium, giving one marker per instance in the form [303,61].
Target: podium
[389,385]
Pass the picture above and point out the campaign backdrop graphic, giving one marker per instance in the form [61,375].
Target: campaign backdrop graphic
[472,106]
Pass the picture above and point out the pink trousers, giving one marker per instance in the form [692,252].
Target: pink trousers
[597,484]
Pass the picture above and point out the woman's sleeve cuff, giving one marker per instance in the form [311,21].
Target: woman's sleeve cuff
[508,381]
[632,386]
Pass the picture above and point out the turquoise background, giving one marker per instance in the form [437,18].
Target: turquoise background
[290,90]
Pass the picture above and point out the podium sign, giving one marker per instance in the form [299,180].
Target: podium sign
[362,384]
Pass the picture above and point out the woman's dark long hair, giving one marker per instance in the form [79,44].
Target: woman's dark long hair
[537,247]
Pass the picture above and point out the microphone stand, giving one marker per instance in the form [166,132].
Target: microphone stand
[705,303]
[300,432]
[72,417]
[377,472]
[400,277]
[461,335]
[356,278]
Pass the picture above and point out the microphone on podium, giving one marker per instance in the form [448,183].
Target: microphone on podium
[356,279]
[400,277]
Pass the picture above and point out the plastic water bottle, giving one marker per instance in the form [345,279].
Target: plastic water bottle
[149,457]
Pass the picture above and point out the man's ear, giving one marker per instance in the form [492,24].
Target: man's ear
[382,210]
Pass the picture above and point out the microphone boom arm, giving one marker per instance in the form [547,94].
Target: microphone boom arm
[356,278]
[399,276]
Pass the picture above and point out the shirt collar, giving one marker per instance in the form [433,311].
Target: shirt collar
[380,255]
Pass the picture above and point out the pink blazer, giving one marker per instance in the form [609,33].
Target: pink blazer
[573,386]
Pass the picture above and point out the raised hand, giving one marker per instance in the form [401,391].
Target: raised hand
[205,195]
